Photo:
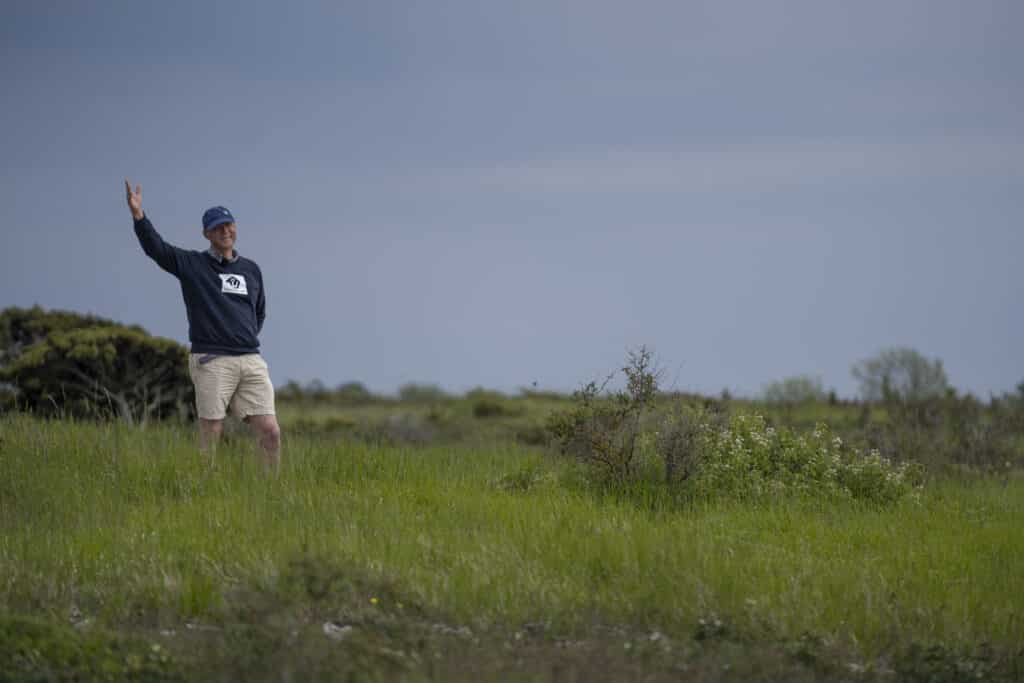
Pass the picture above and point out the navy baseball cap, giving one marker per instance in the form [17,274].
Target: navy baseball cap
[218,215]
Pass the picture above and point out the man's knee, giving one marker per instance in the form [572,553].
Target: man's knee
[209,434]
[212,427]
[272,433]
[268,429]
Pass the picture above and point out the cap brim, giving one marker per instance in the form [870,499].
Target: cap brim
[220,221]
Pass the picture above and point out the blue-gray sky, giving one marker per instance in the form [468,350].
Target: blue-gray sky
[482,193]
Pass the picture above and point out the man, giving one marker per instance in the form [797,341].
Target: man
[226,304]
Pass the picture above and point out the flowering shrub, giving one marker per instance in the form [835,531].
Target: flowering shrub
[705,455]
[749,460]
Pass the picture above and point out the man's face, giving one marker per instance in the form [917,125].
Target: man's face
[222,237]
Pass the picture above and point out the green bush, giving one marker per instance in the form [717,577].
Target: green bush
[487,403]
[421,393]
[532,434]
[111,371]
[353,393]
[949,432]
[750,460]
[601,430]
[677,439]
[20,328]
[8,398]
[486,407]
[794,390]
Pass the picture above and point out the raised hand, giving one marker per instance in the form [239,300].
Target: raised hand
[134,199]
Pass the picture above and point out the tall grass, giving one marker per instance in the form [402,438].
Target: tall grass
[132,525]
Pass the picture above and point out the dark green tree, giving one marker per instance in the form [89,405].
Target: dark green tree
[23,327]
[91,367]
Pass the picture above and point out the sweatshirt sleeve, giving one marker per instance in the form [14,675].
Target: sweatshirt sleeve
[261,304]
[167,256]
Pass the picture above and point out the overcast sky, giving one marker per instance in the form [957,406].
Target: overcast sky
[501,193]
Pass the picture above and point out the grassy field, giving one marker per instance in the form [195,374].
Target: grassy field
[124,554]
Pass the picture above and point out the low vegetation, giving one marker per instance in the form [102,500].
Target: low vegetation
[704,456]
[622,534]
[121,550]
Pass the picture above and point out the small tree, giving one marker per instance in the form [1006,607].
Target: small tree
[798,389]
[601,429]
[901,373]
[103,371]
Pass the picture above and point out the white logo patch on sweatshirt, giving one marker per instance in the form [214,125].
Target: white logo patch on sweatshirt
[232,284]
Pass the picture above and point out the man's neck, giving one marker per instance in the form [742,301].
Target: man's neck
[229,255]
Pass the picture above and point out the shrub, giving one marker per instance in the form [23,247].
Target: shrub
[61,362]
[749,460]
[487,407]
[707,456]
[601,429]
[332,426]
[421,393]
[347,393]
[530,476]
[1008,411]
[792,390]
[20,328]
[111,371]
[487,403]
[532,435]
[678,437]
[8,398]
[408,428]
[290,391]
[948,431]
[353,393]
[316,391]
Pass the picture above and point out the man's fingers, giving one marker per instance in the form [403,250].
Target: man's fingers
[128,190]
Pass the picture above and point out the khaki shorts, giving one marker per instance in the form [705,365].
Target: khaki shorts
[240,384]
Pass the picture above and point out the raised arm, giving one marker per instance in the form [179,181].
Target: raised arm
[167,256]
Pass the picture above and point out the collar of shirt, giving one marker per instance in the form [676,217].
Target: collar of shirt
[215,255]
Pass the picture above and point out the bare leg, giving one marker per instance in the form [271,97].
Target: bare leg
[209,435]
[269,435]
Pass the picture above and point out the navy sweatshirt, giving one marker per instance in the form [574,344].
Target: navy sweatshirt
[224,300]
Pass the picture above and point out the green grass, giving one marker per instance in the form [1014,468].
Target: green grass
[130,530]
